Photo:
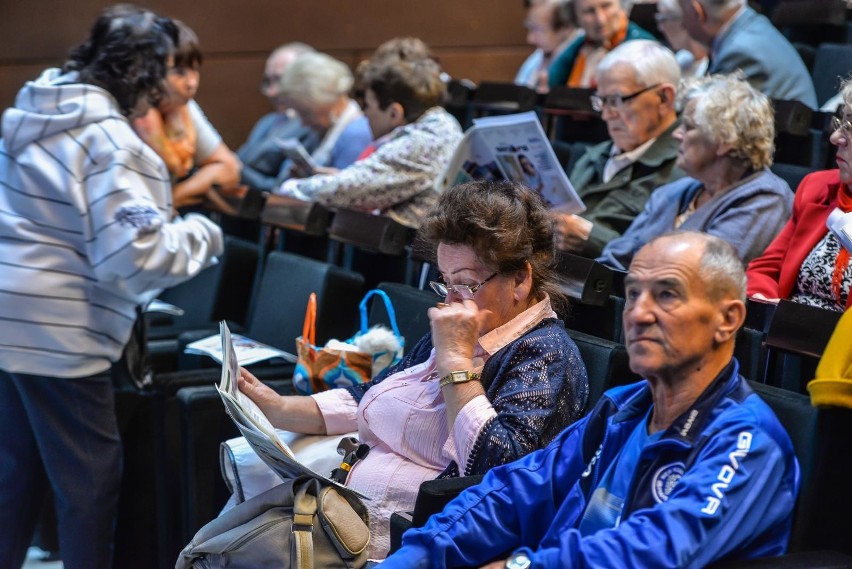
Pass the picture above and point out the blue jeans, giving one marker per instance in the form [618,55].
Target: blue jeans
[61,432]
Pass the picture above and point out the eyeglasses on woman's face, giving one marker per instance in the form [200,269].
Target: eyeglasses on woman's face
[466,292]
[843,126]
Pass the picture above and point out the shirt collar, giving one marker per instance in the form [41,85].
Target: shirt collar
[500,337]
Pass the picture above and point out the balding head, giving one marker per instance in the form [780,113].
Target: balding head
[720,267]
[683,307]
[276,63]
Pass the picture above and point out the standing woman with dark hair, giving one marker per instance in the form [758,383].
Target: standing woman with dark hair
[87,236]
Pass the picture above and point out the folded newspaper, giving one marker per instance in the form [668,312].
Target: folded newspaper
[247,351]
[512,147]
[295,151]
[255,427]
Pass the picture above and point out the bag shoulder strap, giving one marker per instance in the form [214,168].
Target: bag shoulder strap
[304,513]
[309,329]
[388,307]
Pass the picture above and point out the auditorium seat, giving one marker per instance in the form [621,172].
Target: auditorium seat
[278,311]
[832,63]
[219,292]
[795,340]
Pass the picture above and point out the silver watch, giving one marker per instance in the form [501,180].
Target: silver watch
[518,561]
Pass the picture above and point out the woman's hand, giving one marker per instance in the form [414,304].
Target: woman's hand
[295,413]
[264,397]
[455,331]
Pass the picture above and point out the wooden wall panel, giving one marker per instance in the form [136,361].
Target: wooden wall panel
[476,39]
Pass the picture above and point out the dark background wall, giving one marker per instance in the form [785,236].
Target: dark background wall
[476,39]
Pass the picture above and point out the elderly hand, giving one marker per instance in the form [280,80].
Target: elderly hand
[455,331]
[264,397]
[570,231]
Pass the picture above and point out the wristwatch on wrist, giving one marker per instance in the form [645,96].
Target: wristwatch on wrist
[455,377]
[518,561]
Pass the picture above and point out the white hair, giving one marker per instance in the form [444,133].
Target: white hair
[316,78]
[652,62]
[728,110]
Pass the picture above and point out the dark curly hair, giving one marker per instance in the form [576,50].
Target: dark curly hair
[127,54]
[506,225]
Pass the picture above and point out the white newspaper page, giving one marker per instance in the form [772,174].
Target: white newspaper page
[524,154]
[248,351]
[293,149]
[255,426]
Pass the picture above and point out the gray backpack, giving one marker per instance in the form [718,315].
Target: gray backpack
[300,524]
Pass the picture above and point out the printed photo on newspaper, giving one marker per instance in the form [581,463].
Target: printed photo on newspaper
[512,147]
[254,425]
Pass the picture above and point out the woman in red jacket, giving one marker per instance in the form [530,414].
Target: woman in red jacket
[808,262]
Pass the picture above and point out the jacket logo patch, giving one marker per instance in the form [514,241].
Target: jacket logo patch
[665,479]
[727,473]
[138,216]
[592,462]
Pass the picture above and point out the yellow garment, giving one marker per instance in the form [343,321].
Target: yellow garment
[833,383]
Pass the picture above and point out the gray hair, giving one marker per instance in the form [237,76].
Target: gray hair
[846,91]
[316,78]
[292,49]
[651,62]
[720,267]
[728,110]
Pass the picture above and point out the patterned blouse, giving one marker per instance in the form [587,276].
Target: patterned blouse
[398,179]
[813,286]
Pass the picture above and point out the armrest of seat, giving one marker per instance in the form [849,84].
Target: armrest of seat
[400,522]
[435,494]
[432,496]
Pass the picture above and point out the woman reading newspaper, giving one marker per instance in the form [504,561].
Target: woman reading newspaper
[497,377]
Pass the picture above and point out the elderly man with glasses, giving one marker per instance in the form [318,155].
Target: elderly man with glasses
[636,98]
[261,154]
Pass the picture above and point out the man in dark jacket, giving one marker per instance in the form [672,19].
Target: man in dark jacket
[686,467]
[636,94]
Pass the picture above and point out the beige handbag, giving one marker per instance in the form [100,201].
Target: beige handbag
[300,524]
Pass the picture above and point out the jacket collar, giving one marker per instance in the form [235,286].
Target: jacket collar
[691,423]
[663,149]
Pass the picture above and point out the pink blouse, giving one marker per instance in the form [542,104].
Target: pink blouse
[404,421]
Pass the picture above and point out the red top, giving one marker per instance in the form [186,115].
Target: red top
[774,273]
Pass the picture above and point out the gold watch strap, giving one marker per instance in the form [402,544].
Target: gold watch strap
[461,376]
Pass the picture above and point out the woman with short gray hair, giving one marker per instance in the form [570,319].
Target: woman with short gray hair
[317,87]
[726,145]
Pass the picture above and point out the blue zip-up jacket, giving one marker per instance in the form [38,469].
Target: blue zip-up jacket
[721,482]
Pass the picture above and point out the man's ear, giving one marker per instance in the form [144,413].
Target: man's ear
[667,94]
[732,313]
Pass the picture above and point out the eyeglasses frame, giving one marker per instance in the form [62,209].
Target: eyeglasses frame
[599,102]
[442,289]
